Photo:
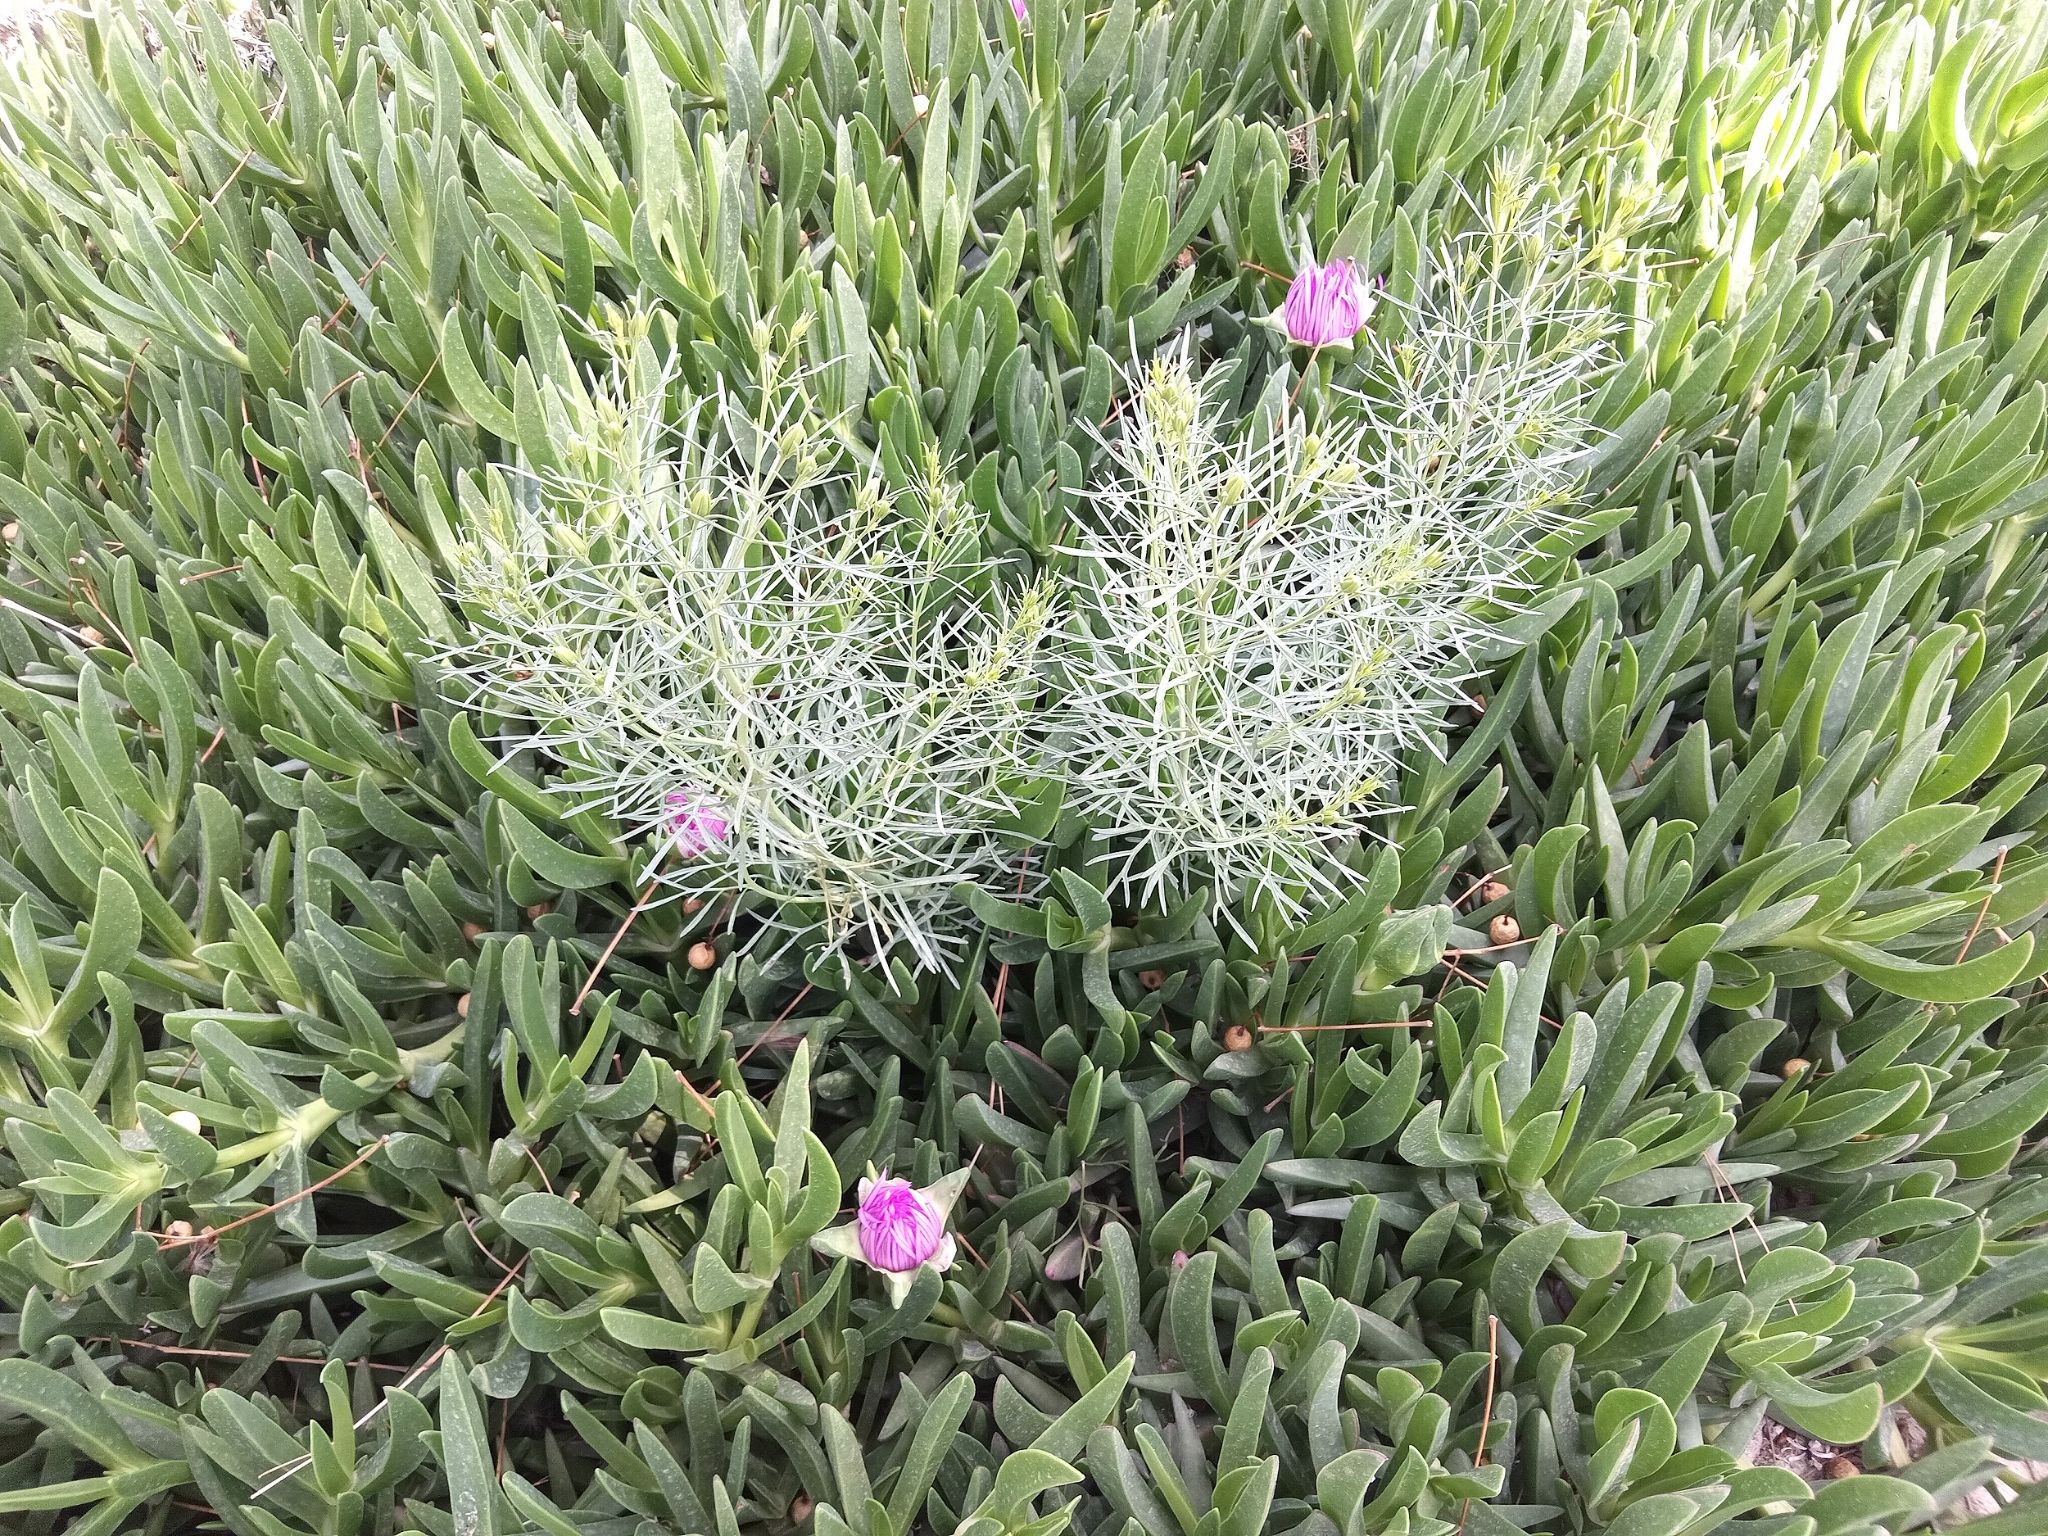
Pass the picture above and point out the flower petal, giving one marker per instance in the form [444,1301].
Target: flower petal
[945,1193]
[841,1242]
[899,1227]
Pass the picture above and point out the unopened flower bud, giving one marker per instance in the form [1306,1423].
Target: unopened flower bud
[185,1120]
[899,1227]
[696,822]
[1325,305]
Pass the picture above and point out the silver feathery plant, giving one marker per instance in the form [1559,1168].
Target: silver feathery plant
[1252,623]
[825,677]
[1264,621]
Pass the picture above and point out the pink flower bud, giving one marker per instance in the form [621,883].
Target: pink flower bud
[899,1228]
[696,822]
[1018,7]
[1325,305]
[1180,1258]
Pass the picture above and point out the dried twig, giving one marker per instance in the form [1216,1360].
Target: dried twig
[1486,1412]
[210,1234]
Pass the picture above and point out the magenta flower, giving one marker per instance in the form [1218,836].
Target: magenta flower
[697,823]
[1325,305]
[898,1230]
[1018,7]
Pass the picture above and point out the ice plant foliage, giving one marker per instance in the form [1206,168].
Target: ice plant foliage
[824,667]
[898,1229]
[322,1215]
[1262,624]
[1326,304]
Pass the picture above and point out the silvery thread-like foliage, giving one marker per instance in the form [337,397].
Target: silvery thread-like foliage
[1264,622]
[706,610]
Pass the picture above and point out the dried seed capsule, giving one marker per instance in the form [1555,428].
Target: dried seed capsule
[9,532]
[1504,929]
[1151,981]
[472,931]
[1794,1067]
[1493,891]
[703,956]
[91,636]
[539,910]
[1237,1038]
[462,1006]
[1841,1466]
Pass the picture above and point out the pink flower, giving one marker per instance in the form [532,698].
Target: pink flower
[898,1231]
[1018,7]
[696,822]
[1325,305]
[899,1228]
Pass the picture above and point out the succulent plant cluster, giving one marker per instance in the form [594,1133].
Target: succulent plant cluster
[1659,1071]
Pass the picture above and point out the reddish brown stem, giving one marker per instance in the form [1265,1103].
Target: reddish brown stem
[211,1233]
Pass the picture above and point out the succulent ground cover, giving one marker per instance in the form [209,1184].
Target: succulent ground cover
[1664,1064]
